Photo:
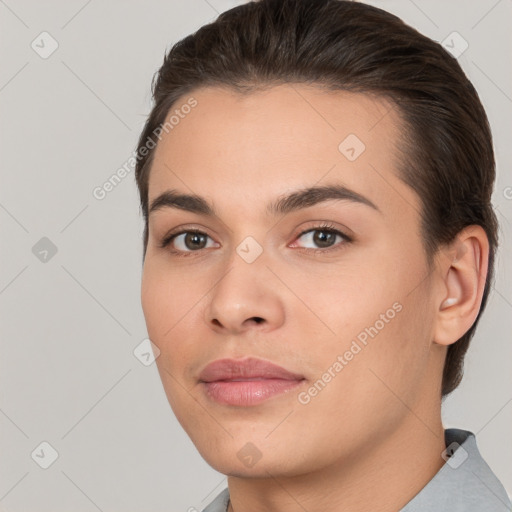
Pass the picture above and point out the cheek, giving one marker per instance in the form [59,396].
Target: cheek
[166,298]
[374,383]
[173,301]
[381,327]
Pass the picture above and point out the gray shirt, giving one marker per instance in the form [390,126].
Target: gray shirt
[465,483]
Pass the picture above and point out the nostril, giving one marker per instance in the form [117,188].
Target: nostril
[257,319]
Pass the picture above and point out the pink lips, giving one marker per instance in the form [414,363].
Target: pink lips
[245,382]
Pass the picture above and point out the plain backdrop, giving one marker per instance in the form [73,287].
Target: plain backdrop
[71,264]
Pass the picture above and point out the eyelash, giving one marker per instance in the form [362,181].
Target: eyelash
[326,227]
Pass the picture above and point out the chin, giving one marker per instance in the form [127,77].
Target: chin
[229,467]
[245,460]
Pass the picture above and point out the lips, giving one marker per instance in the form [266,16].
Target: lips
[244,369]
[245,382]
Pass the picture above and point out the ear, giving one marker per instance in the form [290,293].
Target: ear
[462,272]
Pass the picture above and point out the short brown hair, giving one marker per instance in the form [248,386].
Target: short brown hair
[447,152]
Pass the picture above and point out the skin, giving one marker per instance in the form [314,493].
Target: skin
[372,438]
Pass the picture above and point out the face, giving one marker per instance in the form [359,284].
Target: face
[331,286]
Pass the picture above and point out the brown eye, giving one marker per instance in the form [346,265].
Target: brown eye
[187,241]
[322,237]
[194,241]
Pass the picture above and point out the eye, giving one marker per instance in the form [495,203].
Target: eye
[192,240]
[324,237]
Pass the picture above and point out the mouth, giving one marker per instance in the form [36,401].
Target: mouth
[246,382]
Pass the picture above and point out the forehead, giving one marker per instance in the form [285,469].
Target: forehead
[279,139]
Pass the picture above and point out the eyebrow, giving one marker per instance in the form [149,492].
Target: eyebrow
[302,198]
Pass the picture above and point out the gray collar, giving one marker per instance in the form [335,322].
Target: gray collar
[465,483]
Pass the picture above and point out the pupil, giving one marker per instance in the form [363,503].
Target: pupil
[323,240]
[192,239]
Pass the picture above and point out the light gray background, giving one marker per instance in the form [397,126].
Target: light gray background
[70,325]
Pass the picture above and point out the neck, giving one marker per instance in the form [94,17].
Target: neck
[384,478]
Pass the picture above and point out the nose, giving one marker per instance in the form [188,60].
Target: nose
[245,298]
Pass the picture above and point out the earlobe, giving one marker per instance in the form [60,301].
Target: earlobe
[462,271]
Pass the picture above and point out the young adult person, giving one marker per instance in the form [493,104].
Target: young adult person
[315,178]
